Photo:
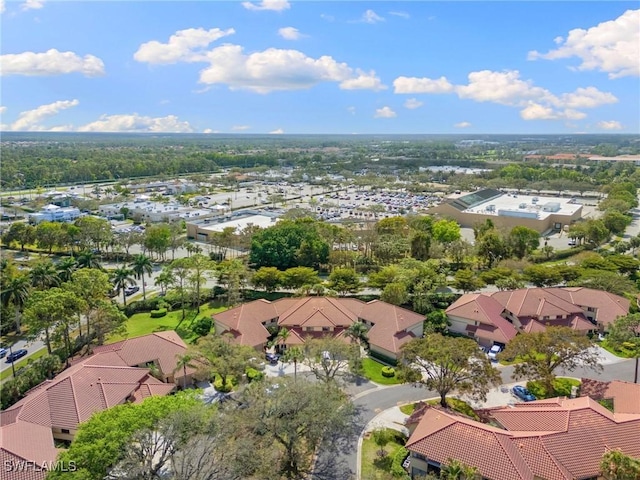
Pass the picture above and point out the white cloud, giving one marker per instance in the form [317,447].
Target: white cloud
[385,112]
[413,103]
[137,123]
[290,33]
[277,131]
[364,81]
[612,46]
[30,120]
[209,130]
[32,5]
[2,109]
[328,18]
[421,85]
[507,88]
[275,5]
[262,72]
[400,14]
[610,125]
[52,62]
[2,6]
[351,110]
[240,128]
[371,17]
[462,125]
[184,45]
[277,69]
[589,97]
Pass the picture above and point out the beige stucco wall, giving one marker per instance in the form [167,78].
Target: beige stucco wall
[468,220]
[383,351]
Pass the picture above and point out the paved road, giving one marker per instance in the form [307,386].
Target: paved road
[339,459]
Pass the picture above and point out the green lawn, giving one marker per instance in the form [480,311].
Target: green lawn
[375,467]
[373,371]
[142,323]
[455,404]
[618,353]
[22,363]
[561,388]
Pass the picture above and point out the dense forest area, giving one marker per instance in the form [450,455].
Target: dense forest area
[43,159]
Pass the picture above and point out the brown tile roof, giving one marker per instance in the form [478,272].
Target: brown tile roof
[25,441]
[487,312]
[388,332]
[69,399]
[556,439]
[161,347]
[625,395]
[609,306]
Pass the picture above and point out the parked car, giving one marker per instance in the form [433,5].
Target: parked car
[131,290]
[493,352]
[272,358]
[3,352]
[12,357]
[523,394]
[572,242]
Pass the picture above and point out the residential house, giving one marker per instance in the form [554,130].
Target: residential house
[49,414]
[554,439]
[389,326]
[496,317]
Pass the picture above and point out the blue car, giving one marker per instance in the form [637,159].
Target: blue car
[12,357]
[523,394]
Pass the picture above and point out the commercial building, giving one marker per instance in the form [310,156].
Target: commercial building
[54,213]
[202,229]
[510,210]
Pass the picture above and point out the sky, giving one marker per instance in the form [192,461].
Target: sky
[325,67]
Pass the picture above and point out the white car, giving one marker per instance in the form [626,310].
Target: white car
[494,351]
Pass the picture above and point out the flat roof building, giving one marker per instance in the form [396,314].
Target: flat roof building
[510,210]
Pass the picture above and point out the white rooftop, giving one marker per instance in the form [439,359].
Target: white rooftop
[526,203]
[262,221]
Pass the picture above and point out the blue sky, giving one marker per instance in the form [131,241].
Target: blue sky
[277,66]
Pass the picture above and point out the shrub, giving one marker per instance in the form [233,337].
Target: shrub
[396,465]
[226,388]
[253,374]
[158,313]
[388,372]
[202,326]
[561,388]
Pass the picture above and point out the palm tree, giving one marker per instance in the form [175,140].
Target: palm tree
[184,361]
[357,331]
[16,291]
[164,280]
[65,268]
[122,277]
[44,275]
[295,355]
[88,259]
[140,265]
[283,335]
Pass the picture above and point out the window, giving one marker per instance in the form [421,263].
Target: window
[326,329]
[546,317]
[64,430]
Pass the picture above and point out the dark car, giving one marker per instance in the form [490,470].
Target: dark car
[272,358]
[12,357]
[523,394]
[3,352]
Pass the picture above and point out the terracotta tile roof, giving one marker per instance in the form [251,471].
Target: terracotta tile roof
[440,436]
[161,347]
[389,322]
[20,442]
[625,395]
[609,306]
[487,312]
[317,312]
[556,439]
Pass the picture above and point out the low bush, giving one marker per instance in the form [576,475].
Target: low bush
[397,471]
[253,374]
[202,326]
[158,313]
[226,388]
[388,372]
[561,388]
